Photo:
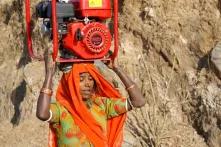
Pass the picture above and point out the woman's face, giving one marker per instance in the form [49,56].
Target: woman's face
[86,85]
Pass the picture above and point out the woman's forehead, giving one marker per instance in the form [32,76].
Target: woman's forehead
[83,74]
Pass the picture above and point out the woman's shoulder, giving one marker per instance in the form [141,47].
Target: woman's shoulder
[57,105]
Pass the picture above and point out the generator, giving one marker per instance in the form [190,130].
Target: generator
[77,29]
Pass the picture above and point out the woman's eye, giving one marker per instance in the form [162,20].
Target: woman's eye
[81,79]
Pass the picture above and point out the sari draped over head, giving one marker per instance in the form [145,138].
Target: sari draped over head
[68,95]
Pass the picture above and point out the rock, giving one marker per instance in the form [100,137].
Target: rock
[34,76]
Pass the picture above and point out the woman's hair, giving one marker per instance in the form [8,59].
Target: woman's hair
[65,67]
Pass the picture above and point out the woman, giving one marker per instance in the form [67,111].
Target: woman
[88,111]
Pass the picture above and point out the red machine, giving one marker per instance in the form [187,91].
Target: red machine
[77,28]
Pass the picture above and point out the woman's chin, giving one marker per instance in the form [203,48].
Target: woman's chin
[85,98]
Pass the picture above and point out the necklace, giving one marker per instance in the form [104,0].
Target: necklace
[89,103]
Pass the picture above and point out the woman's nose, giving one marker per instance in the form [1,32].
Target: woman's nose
[87,83]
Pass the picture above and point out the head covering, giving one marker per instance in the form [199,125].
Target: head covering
[68,95]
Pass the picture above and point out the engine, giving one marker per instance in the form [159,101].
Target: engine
[81,31]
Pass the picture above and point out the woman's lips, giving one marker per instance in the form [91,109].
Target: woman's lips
[86,92]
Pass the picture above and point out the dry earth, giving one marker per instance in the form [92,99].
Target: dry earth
[164,46]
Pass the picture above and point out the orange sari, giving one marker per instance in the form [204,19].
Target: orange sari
[68,95]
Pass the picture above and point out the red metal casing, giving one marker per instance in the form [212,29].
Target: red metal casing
[93,8]
[95,43]
[101,12]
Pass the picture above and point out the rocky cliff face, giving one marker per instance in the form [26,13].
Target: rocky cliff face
[164,46]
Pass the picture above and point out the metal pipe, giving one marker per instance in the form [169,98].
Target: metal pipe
[63,60]
[55,30]
[116,40]
[28,28]
[29,31]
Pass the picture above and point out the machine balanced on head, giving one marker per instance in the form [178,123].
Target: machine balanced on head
[77,28]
